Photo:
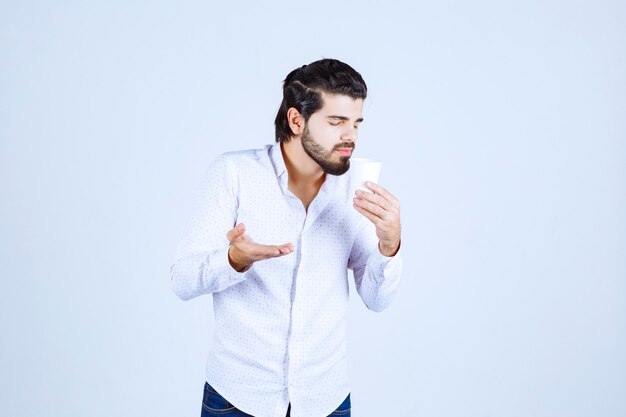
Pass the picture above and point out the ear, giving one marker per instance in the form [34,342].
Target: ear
[295,120]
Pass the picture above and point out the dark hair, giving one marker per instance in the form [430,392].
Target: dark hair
[303,88]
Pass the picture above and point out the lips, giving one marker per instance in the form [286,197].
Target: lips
[345,151]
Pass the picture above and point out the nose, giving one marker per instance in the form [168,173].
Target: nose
[349,134]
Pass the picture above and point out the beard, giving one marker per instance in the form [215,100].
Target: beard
[323,157]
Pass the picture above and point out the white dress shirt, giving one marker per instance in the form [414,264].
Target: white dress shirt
[280,326]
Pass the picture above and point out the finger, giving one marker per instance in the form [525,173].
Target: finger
[286,249]
[377,189]
[260,252]
[271,251]
[374,219]
[283,251]
[371,207]
[236,232]
[374,198]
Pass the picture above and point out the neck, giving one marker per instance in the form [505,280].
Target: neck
[303,171]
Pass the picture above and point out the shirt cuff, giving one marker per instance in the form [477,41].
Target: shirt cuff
[222,269]
[382,265]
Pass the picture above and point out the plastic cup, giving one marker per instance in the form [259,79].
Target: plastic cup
[361,170]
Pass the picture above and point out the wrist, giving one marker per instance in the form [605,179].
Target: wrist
[388,250]
[235,262]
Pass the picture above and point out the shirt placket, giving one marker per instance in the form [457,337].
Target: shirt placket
[298,304]
[298,221]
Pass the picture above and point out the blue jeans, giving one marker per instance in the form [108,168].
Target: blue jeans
[214,405]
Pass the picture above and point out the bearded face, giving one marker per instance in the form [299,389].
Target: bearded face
[330,161]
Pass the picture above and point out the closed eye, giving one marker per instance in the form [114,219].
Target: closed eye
[356,125]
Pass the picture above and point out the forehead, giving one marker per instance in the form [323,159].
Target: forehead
[340,105]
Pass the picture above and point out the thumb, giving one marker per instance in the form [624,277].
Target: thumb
[236,232]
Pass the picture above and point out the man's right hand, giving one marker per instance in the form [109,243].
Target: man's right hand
[243,251]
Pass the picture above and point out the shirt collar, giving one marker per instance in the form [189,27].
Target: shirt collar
[280,169]
[278,162]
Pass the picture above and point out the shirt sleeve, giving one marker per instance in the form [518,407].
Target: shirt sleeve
[376,276]
[201,265]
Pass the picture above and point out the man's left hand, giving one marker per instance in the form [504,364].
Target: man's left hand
[382,209]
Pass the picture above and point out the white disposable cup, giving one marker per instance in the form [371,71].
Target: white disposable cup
[361,170]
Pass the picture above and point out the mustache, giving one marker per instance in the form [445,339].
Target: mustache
[345,145]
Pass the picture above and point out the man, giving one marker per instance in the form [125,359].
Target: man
[275,233]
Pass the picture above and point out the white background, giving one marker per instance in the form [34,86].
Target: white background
[501,126]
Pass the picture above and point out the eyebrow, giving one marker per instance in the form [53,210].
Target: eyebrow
[360,119]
